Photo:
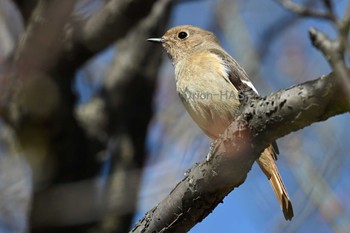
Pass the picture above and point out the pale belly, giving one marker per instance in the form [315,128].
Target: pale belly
[212,104]
[207,93]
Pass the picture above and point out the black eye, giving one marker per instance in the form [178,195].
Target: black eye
[182,35]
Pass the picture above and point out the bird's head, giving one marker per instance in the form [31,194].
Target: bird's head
[182,41]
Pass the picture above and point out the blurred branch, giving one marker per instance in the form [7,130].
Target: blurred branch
[345,23]
[109,24]
[53,43]
[84,39]
[31,99]
[11,27]
[35,55]
[49,19]
[334,50]
[118,116]
[131,76]
[320,195]
[230,21]
[308,12]
[328,4]
[26,8]
[40,103]
[113,21]
[263,120]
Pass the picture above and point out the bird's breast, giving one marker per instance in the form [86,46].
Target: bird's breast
[211,100]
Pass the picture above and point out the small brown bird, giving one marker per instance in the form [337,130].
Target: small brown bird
[208,81]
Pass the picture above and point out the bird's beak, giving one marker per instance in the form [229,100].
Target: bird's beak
[156,40]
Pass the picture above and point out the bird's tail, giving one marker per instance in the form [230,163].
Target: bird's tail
[267,164]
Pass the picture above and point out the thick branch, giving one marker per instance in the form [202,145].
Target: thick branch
[42,41]
[263,121]
[292,109]
[111,23]
[52,44]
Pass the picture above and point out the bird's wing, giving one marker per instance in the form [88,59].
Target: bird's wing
[238,78]
[235,73]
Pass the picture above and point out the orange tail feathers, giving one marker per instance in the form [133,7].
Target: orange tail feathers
[268,166]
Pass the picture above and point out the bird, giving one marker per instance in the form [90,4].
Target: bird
[209,82]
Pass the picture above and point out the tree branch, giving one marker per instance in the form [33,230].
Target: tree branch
[333,50]
[263,120]
[112,22]
[307,12]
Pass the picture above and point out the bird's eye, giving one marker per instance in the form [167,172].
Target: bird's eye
[182,35]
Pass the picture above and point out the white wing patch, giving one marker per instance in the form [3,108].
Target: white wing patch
[224,70]
[250,84]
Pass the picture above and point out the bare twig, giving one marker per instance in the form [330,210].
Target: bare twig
[305,11]
[333,50]
[344,25]
[335,57]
